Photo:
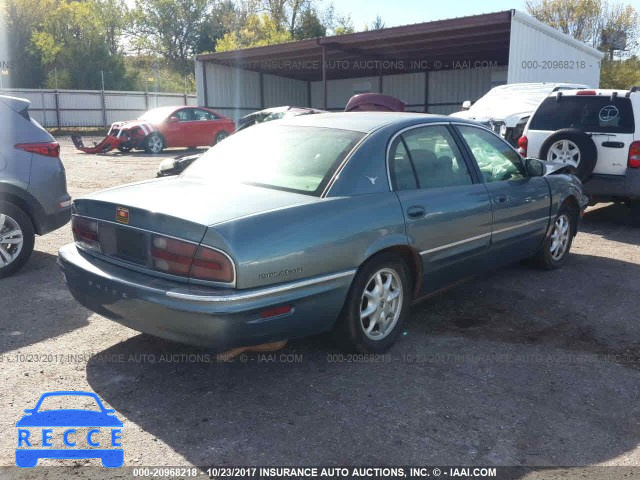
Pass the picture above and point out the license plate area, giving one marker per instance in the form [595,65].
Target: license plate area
[131,246]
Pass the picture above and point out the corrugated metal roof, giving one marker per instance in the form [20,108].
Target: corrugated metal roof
[401,49]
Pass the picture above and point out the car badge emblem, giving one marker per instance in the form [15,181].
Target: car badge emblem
[122,215]
[372,180]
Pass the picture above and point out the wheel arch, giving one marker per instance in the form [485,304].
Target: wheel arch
[26,202]
[409,255]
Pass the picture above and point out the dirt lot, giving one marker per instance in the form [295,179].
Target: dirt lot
[522,367]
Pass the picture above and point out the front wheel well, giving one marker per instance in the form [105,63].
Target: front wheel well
[411,258]
[572,203]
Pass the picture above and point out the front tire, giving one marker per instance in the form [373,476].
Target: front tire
[154,144]
[17,238]
[376,306]
[555,248]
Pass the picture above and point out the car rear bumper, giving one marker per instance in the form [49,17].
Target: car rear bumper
[615,186]
[53,221]
[217,318]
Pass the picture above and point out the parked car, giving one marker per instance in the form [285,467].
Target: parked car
[33,186]
[598,133]
[164,127]
[506,109]
[275,113]
[320,222]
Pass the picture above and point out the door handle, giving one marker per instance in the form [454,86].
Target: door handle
[416,212]
[500,199]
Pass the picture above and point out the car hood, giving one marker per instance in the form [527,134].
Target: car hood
[131,123]
[156,202]
[69,418]
[507,115]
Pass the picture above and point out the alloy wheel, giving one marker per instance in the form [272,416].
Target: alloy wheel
[560,237]
[11,240]
[381,304]
[155,144]
[564,151]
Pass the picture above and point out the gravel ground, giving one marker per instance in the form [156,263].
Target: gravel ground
[520,367]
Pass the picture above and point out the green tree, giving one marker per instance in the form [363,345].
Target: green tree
[377,24]
[258,31]
[169,29]
[620,74]
[309,25]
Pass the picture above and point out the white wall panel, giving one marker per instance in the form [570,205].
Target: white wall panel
[537,53]
[408,87]
[279,91]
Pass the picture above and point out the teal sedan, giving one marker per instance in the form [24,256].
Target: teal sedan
[336,221]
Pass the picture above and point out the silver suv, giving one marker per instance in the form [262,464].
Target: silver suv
[33,185]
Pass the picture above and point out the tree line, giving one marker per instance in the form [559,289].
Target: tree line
[150,44]
[146,44]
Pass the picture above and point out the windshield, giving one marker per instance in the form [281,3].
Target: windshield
[293,158]
[156,115]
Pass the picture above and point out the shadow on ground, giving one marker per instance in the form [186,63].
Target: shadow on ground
[483,374]
[46,308]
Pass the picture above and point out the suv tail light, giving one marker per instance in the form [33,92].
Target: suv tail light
[586,92]
[185,259]
[634,155]
[523,142]
[85,233]
[49,149]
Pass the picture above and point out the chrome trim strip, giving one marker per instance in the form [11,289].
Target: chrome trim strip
[396,135]
[234,297]
[520,225]
[455,244]
[156,273]
[478,237]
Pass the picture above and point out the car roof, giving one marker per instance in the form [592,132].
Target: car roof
[601,92]
[366,122]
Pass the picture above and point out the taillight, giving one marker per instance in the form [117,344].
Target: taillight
[85,233]
[634,155]
[212,265]
[172,256]
[586,92]
[523,143]
[49,149]
[185,259]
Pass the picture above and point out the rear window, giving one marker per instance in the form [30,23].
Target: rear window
[589,113]
[299,159]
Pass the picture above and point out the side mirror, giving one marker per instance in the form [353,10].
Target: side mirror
[535,168]
[466,105]
[173,120]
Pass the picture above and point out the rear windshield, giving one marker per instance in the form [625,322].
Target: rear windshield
[292,158]
[589,113]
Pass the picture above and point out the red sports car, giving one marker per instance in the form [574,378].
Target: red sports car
[164,127]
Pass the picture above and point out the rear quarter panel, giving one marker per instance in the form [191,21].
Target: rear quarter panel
[562,187]
[329,236]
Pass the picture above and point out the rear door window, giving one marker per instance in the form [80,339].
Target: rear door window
[588,113]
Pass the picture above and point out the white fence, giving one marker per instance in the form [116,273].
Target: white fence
[93,108]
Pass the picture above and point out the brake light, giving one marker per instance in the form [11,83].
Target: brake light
[85,233]
[185,259]
[50,149]
[212,265]
[634,155]
[523,143]
[586,92]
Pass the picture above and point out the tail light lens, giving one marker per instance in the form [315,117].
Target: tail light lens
[634,155]
[85,233]
[586,92]
[50,149]
[185,259]
[523,143]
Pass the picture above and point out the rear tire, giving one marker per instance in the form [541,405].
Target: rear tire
[17,238]
[634,209]
[221,136]
[555,248]
[376,306]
